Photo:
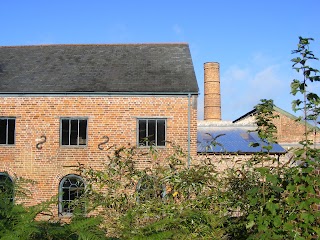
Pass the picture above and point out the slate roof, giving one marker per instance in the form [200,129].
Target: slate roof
[127,68]
[230,138]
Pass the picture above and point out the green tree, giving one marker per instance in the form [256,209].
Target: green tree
[277,200]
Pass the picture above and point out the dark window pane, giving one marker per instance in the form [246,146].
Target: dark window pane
[6,188]
[11,130]
[66,183]
[73,181]
[161,132]
[72,189]
[3,131]
[74,132]
[65,132]
[66,208]
[73,192]
[151,132]
[65,193]
[82,132]
[142,132]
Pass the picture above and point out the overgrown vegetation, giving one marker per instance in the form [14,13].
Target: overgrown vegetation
[19,222]
[261,199]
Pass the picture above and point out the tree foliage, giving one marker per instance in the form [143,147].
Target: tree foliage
[23,223]
[262,198]
[167,201]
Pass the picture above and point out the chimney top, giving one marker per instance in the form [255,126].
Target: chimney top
[212,63]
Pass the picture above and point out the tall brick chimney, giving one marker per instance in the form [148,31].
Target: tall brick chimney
[212,99]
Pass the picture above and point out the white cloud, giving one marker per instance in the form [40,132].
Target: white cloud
[260,59]
[267,82]
[242,87]
[237,73]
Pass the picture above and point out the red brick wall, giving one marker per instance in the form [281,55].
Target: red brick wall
[112,116]
[290,131]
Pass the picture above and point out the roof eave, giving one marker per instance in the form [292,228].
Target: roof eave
[87,93]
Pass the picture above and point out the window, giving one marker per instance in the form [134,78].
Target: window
[7,130]
[152,132]
[6,188]
[73,131]
[70,189]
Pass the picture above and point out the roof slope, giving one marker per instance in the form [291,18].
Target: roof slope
[276,109]
[153,68]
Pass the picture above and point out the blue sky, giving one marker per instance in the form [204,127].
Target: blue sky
[252,40]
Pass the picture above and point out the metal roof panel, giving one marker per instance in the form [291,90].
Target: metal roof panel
[231,140]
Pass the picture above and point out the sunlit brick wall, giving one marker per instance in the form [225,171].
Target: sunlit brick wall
[112,116]
[290,131]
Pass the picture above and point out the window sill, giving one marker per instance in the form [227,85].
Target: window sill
[68,215]
[146,147]
[65,215]
[73,146]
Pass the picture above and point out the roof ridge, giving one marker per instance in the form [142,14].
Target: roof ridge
[96,44]
[293,117]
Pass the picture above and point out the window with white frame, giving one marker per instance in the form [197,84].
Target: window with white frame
[6,188]
[70,190]
[73,131]
[151,132]
[7,131]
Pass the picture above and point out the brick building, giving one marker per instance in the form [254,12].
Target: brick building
[290,130]
[61,105]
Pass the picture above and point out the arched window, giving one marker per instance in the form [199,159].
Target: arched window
[6,188]
[70,189]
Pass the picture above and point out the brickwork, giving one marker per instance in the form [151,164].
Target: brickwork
[222,162]
[288,130]
[226,161]
[291,131]
[112,116]
[212,98]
